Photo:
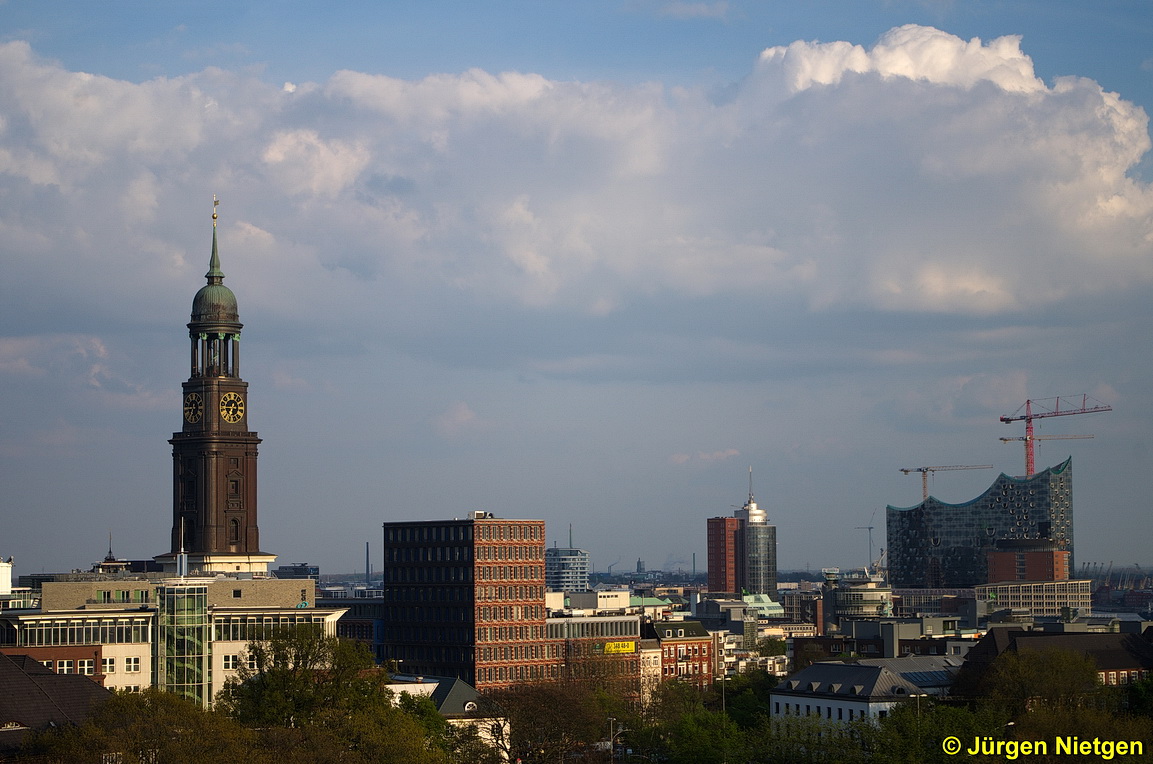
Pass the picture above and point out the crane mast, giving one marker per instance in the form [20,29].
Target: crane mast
[1050,407]
[926,470]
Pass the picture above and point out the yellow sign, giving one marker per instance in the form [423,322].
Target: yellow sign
[619,648]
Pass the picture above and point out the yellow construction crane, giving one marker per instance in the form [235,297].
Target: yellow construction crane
[926,470]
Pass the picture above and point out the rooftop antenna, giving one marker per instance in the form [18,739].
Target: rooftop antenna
[570,546]
[182,557]
[869,528]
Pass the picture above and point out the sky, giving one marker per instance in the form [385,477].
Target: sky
[581,262]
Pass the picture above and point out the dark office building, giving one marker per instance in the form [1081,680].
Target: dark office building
[935,545]
[465,598]
[722,547]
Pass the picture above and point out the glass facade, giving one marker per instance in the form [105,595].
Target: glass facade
[183,648]
[759,563]
[937,545]
[51,631]
[566,569]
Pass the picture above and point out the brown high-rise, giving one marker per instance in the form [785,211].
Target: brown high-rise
[214,454]
[723,551]
[465,598]
[743,551]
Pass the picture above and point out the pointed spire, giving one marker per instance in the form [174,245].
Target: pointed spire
[214,275]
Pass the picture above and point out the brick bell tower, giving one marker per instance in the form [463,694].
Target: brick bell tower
[214,528]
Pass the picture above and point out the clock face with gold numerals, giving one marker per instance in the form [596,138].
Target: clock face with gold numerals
[193,408]
[231,407]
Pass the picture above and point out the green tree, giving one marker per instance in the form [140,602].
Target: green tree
[744,697]
[290,678]
[316,698]
[549,721]
[151,726]
[771,646]
[705,737]
[1139,697]
[1047,723]
[809,654]
[461,744]
[809,740]
[912,735]
[1048,678]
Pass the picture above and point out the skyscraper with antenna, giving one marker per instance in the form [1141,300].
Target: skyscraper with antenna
[567,569]
[743,550]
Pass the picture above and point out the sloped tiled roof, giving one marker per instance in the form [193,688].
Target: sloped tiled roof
[925,671]
[680,630]
[847,681]
[1109,651]
[455,697]
[35,697]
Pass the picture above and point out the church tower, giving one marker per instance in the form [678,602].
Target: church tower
[214,454]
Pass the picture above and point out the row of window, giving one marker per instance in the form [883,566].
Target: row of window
[503,593]
[457,553]
[414,533]
[428,594]
[240,628]
[1122,677]
[686,651]
[513,532]
[109,631]
[516,652]
[122,595]
[581,628]
[87,666]
[794,709]
[531,672]
[533,531]
[232,662]
[509,572]
[510,613]
[684,669]
[509,633]
[500,552]
[409,574]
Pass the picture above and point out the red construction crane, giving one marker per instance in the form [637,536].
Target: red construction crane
[1060,406]
[926,470]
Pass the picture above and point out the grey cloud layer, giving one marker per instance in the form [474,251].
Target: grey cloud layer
[924,174]
[504,288]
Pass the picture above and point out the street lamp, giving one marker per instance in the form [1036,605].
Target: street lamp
[613,738]
[918,697]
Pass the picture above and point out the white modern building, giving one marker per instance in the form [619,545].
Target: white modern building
[843,692]
[566,569]
[184,635]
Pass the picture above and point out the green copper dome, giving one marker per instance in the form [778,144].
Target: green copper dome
[214,303]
